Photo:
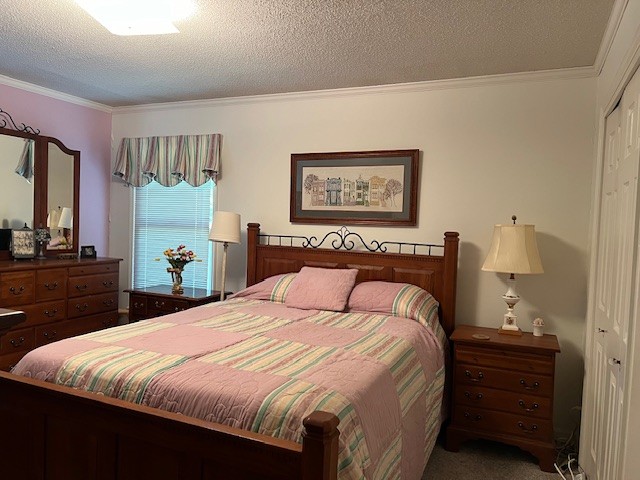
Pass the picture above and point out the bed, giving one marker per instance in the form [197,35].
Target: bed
[309,383]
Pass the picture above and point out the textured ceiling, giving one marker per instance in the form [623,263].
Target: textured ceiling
[236,48]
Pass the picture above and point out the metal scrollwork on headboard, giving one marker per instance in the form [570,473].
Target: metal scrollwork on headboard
[7,120]
[345,240]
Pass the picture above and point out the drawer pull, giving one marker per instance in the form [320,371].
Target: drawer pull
[107,284]
[108,303]
[82,308]
[137,305]
[108,323]
[533,429]
[176,309]
[81,287]
[469,396]
[529,387]
[50,336]
[18,291]
[159,304]
[475,418]
[52,313]
[468,374]
[533,407]
[51,286]
[18,342]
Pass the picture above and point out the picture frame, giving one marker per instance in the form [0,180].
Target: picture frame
[88,251]
[23,243]
[367,188]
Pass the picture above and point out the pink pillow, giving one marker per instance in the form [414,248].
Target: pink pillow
[321,288]
[273,289]
[397,299]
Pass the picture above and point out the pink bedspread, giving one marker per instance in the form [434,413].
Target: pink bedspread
[262,366]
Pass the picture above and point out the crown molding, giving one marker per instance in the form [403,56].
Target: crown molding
[47,92]
[613,24]
[469,82]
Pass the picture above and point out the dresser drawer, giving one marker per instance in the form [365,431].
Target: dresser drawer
[45,312]
[81,306]
[8,361]
[483,397]
[51,284]
[524,362]
[163,306]
[92,284]
[93,269]
[520,382]
[499,422]
[17,288]
[17,340]
[100,321]
[137,305]
[69,328]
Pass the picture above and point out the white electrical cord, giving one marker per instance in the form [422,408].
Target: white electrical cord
[559,472]
[573,477]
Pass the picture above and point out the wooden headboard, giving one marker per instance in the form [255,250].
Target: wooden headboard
[435,273]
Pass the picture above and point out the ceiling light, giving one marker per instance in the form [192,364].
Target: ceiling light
[138,17]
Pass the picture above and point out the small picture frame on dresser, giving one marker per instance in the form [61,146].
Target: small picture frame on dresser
[88,251]
[23,243]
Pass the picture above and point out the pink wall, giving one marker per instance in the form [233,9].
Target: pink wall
[79,128]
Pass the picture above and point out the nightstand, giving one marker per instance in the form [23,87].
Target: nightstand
[158,300]
[503,391]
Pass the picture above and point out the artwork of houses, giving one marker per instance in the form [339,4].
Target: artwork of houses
[374,191]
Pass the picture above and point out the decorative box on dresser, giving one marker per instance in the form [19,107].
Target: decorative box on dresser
[503,390]
[61,298]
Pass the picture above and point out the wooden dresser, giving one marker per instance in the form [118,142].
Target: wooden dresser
[503,391]
[61,298]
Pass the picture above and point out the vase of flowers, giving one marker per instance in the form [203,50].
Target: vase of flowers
[178,259]
[42,236]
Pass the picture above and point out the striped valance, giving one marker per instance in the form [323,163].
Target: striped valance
[169,160]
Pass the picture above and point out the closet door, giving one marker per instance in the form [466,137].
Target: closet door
[606,399]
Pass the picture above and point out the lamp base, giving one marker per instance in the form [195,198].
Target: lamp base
[515,333]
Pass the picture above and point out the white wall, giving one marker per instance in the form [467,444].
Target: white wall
[488,151]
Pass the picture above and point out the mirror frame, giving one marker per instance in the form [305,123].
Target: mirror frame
[40,186]
[41,205]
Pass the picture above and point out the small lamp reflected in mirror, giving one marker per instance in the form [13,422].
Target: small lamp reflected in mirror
[225,229]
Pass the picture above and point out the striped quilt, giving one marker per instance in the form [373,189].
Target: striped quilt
[262,366]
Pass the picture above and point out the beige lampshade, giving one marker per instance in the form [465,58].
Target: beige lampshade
[513,250]
[66,218]
[225,227]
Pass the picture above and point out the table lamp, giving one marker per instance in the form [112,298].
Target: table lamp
[66,223]
[225,229]
[513,250]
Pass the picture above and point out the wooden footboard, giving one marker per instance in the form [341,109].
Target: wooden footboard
[53,432]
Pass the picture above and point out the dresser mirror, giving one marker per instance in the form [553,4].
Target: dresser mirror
[16,183]
[61,197]
[38,175]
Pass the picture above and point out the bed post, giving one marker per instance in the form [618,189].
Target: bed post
[448,303]
[320,446]
[253,240]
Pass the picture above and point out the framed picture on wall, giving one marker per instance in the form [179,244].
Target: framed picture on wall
[372,188]
[23,243]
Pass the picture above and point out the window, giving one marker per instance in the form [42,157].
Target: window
[165,217]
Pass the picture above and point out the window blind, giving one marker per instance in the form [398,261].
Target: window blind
[165,217]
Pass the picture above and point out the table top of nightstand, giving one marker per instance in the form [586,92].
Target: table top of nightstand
[188,294]
[526,342]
